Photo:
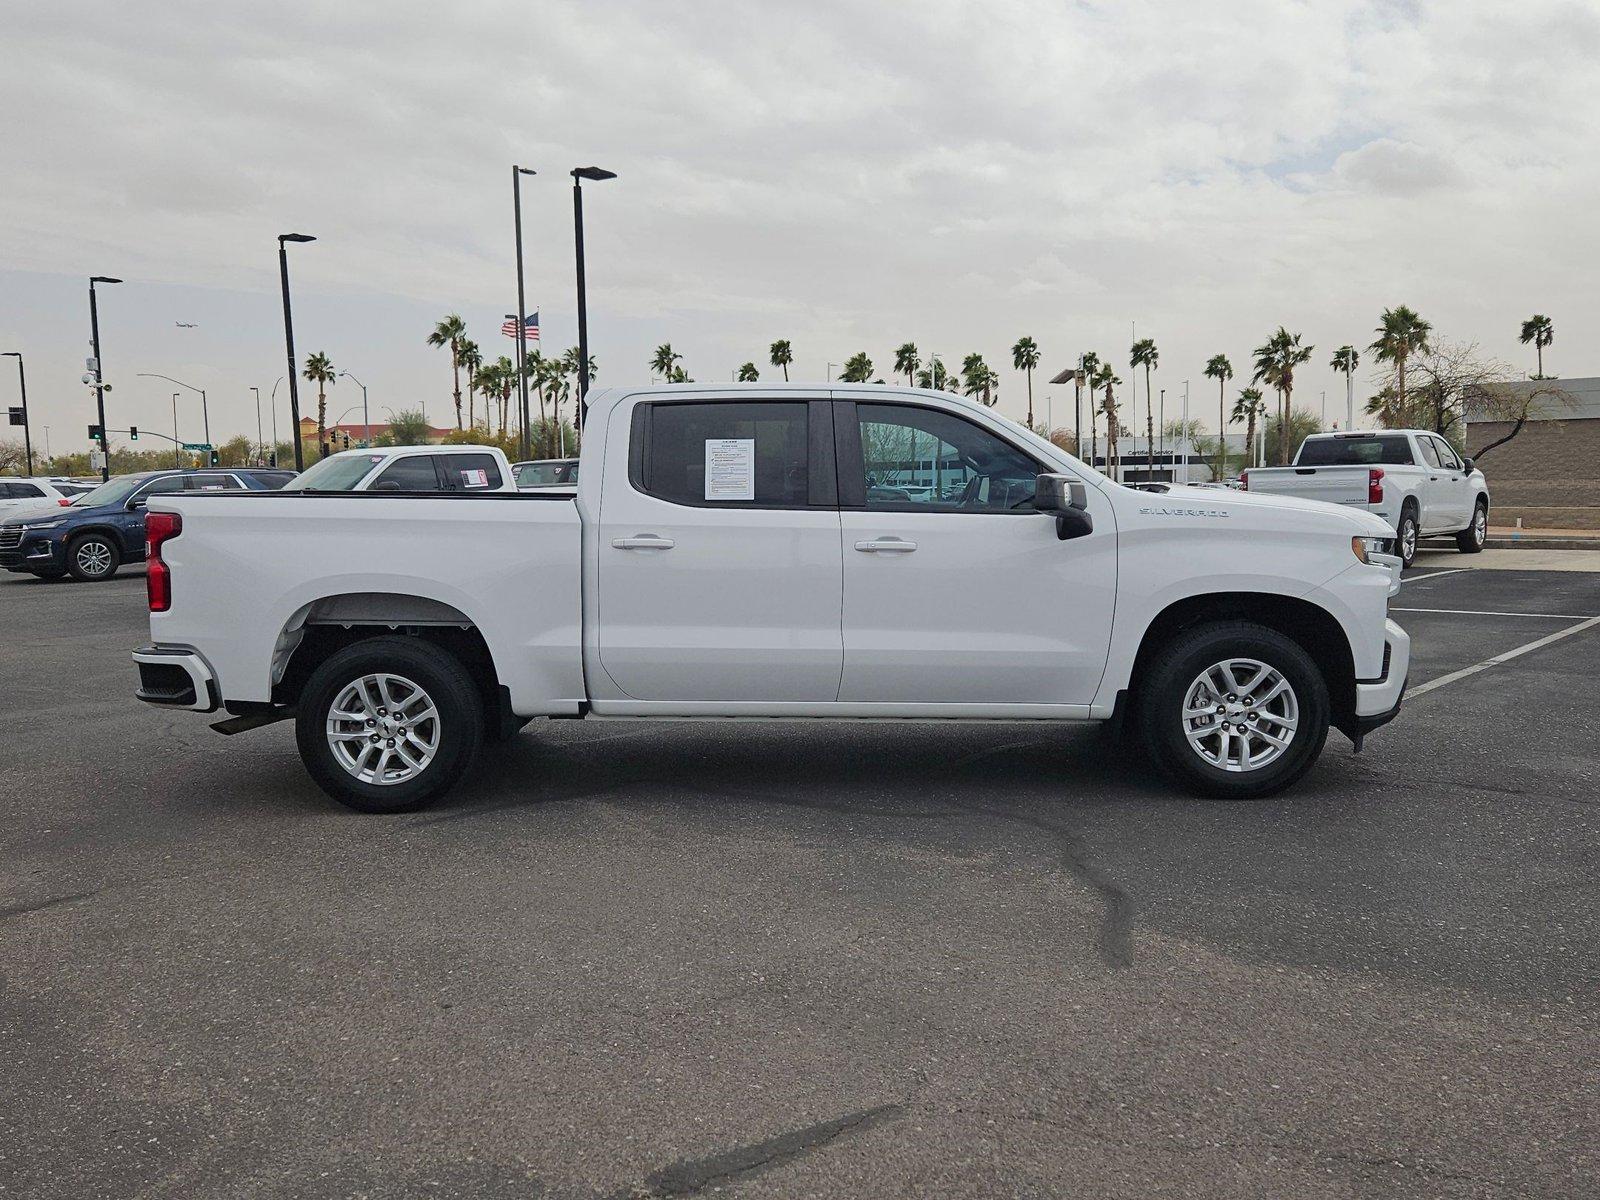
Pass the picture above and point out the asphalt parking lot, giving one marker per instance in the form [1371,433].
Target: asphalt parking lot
[790,960]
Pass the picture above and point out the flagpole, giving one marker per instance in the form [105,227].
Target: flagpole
[522,311]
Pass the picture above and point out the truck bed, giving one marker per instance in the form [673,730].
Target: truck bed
[1334,485]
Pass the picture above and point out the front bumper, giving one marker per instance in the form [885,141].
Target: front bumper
[1378,700]
[33,552]
[176,677]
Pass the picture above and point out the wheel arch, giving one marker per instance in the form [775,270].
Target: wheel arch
[1310,626]
[328,624]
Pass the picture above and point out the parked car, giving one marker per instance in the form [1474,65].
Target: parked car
[1411,478]
[29,494]
[94,534]
[410,469]
[724,557]
[546,472]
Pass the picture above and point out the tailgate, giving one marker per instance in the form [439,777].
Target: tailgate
[1334,485]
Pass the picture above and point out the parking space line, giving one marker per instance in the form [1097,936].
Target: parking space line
[1590,623]
[1434,574]
[1478,612]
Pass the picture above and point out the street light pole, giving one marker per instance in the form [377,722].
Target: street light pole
[366,417]
[579,174]
[205,409]
[522,306]
[27,436]
[99,376]
[288,340]
[261,451]
[272,405]
[176,444]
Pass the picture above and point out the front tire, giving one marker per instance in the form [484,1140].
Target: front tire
[1406,534]
[389,725]
[93,558]
[1234,711]
[1471,539]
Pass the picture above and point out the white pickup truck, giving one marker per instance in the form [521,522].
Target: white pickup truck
[731,552]
[1411,478]
[409,469]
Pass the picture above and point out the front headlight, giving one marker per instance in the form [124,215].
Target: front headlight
[31,526]
[1364,547]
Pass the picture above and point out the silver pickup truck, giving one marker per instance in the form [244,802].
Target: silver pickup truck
[1411,478]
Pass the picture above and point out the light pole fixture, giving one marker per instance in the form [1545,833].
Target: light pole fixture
[99,375]
[27,436]
[288,339]
[366,419]
[522,306]
[205,411]
[594,175]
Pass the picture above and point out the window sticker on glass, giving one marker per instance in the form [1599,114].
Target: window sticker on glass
[474,479]
[730,468]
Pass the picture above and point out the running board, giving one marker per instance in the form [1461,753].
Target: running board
[254,720]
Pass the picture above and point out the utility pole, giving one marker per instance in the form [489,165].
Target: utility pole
[99,376]
[288,339]
[27,437]
[176,444]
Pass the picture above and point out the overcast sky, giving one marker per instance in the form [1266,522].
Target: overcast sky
[845,175]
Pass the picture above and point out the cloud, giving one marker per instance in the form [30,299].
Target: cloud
[1390,168]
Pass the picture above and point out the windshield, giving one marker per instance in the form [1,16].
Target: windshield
[334,474]
[546,474]
[1354,452]
[114,492]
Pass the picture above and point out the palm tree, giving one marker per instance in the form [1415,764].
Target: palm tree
[1219,368]
[906,362]
[857,369]
[1144,354]
[1107,378]
[506,379]
[452,331]
[979,380]
[1541,331]
[1345,360]
[319,370]
[679,375]
[1249,408]
[1276,360]
[471,359]
[1089,364]
[664,360]
[1025,357]
[1401,333]
[538,368]
[782,356]
[485,379]
[748,373]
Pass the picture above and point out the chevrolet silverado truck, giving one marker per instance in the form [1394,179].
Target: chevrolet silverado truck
[728,553]
[1411,478]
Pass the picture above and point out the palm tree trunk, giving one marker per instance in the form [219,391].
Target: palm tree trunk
[1149,429]
[786,372]
[1030,397]
[1539,350]
[455,370]
[322,420]
[1222,429]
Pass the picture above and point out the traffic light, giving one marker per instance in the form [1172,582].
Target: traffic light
[272,459]
[94,434]
[215,458]
[133,433]
[347,441]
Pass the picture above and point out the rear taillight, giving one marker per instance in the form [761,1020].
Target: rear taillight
[1375,486]
[1244,481]
[64,503]
[159,528]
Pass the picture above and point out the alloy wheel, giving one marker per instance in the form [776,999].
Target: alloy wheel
[1240,715]
[383,729]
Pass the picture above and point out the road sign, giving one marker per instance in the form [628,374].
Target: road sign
[197,447]
[19,416]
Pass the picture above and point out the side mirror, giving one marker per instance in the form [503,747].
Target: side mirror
[1068,499]
[137,505]
[1469,464]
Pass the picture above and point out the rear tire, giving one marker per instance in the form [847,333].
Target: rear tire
[1274,733]
[389,725]
[93,558]
[1471,539]
[1406,534]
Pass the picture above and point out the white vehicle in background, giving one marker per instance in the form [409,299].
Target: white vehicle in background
[409,469]
[727,554]
[22,495]
[546,473]
[1412,478]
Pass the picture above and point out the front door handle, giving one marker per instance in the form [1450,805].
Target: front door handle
[889,545]
[647,541]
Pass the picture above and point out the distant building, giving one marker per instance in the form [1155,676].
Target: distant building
[359,434]
[1547,473]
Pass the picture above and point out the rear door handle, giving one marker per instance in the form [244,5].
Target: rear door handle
[889,545]
[648,541]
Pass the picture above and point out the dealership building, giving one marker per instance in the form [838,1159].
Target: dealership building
[1549,473]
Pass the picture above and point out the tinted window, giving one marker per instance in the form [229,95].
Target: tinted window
[547,474]
[1393,449]
[212,483]
[412,474]
[164,486]
[470,472]
[1430,452]
[25,491]
[726,454]
[1447,456]
[271,481]
[927,460]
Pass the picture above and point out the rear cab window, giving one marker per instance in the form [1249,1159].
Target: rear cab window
[1385,449]
[725,453]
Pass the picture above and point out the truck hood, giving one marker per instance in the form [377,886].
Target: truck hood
[1243,504]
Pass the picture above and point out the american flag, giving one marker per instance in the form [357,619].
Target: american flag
[532,322]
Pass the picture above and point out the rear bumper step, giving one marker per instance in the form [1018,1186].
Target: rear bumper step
[176,677]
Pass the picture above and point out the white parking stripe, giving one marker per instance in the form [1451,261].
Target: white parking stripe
[1500,658]
[1478,612]
[1436,574]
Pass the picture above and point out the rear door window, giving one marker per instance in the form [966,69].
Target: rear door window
[747,455]
[471,472]
[413,473]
